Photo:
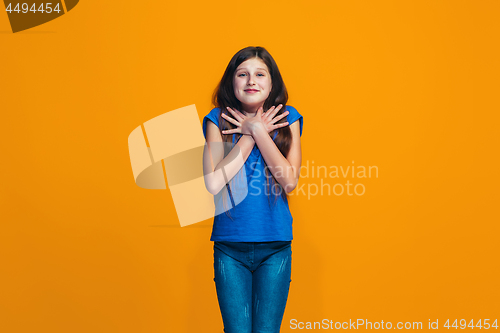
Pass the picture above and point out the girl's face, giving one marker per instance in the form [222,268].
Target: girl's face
[252,84]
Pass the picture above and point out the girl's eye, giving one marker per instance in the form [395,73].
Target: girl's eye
[245,74]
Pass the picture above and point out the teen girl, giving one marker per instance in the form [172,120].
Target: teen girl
[251,161]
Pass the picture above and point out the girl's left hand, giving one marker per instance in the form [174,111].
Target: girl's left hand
[247,125]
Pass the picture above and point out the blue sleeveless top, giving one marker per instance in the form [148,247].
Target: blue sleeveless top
[256,218]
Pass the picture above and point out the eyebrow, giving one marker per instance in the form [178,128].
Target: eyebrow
[257,68]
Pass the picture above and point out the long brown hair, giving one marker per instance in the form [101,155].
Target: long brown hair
[224,96]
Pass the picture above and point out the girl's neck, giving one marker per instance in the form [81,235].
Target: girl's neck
[250,114]
[251,111]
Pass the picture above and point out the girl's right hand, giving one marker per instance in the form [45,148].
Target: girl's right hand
[262,119]
[268,120]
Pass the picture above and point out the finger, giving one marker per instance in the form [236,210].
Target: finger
[275,111]
[280,125]
[236,130]
[231,120]
[284,114]
[237,114]
[268,112]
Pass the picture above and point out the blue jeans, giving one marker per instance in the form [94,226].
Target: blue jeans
[252,281]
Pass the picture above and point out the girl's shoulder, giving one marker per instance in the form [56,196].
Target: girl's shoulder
[213,116]
[214,113]
[294,115]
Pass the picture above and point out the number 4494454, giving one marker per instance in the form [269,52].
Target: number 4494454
[42,8]
[463,324]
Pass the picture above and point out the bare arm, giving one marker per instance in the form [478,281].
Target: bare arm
[217,169]
[285,170]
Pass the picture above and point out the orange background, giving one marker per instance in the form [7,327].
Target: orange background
[408,86]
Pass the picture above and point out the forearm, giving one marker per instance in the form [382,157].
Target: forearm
[229,166]
[278,165]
